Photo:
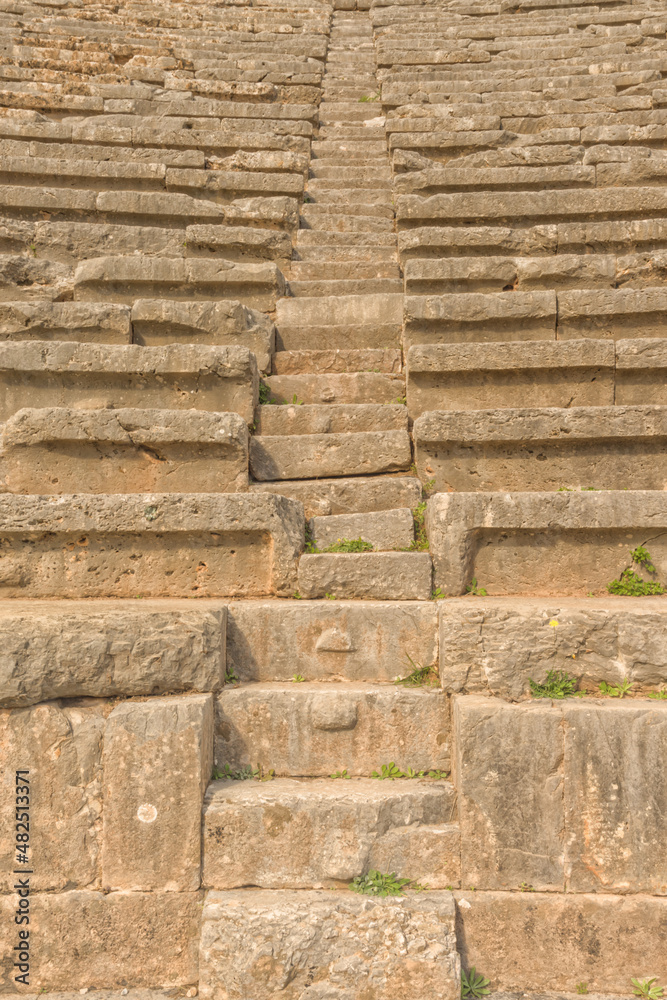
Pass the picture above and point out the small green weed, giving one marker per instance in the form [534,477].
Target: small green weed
[33,249]
[150,513]
[473,589]
[230,676]
[582,987]
[630,584]
[437,595]
[340,774]
[296,596]
[658,695]
[419,676]
[349,545]
[330,597]
[293,401]
[298,678]
[401,400]
[558,684]
[420,541]
[245,774]
[616,690]
[388,772]
[376,883]
[474,984]
[264,394]
[391,771]
[645,988]
[526,887]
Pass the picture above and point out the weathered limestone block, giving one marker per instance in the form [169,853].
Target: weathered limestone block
[56,649]
[615,796]
[58,450]
[151,544]
[88,322]
[309,729]
[640,371]
[331,418]
[353,320]
[61,748]
[551,941]
[245,242]
[384,530]
[475,316]
[542,543]
[389,576]
[158,756]
[226,323]
[614,312]
[303,456]
[106,940]
[328,946]
[330,640]
[92,376]
[508,770]
[494,647]
[302,834]
[347,496]
[336,388]
[512,374]
[543,449]
[124,279]
[430,853]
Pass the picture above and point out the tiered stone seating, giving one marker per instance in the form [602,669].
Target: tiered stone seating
[332,356]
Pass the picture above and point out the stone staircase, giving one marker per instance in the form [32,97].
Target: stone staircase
[332,355]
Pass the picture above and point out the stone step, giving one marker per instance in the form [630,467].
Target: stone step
[336,389]
[149,545]
[333,287]
[81,322]
[348,218]
[93,376]
[329,193]
[607,447]
[354,321]
[314,729]
[348,176]
[539,373]
[343,270]
[503,539]
[286,833]
[385,530]
[387,576]
[376,360]
[240,928]
[343,253]
[306,456]
[328,419]
[347,495]
[57,450]
[330,238]
[125,279]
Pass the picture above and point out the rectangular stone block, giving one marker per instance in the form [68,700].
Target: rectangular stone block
[350,495]
[97,376]
[158,756]
[106,940]
[615,796]
[309,729]
[508,769]
[156,322]
[304,456]
[61,749]
[328,945]
[89,322]
[469,317]
[390,576]
[512,374]
[494,646]
[304,834]
[542,543]
[149,544]
[58,450]
[57,649]
[384,530]
[640,371]
[543,449]
[330,640]
[551,941]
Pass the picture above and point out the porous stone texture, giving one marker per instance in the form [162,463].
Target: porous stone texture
[330,640]
[504,540]
[58,650]
[305,728]
[303,456]
[397,576]
[328,946]
[530,941]
[158,756]
[58,450]
[304,834]
[61,747]
[105,940]
[585,813]
[495,646]
[348,496]
[150,544]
